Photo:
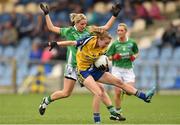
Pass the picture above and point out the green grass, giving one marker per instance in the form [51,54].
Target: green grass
[77,109]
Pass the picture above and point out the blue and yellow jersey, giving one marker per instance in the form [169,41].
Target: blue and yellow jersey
[88,52]
[70,33]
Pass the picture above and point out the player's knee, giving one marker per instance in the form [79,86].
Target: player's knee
[99,94]
[119,82]
[66,94]
[103,92]
[118,93]
[102,88]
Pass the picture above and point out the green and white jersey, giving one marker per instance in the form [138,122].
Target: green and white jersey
[125,49]
[71,33]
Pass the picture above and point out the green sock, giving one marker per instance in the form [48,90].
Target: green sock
[48,100]
[112,110]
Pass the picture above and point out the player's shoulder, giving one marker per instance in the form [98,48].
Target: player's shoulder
[131,40]
[115,41]
[67,32]
[85,39]
[88,27]
[69,28]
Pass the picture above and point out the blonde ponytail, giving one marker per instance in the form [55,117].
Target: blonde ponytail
[93,29]
[99,32]
[76,17]
[72,16]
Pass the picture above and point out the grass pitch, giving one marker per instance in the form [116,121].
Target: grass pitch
[77,109]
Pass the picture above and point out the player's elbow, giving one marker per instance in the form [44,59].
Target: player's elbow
[106,27]
[52,29]
[99,94]
[74,43]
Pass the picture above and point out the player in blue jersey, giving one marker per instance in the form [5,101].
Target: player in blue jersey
[77,31]
[89,49]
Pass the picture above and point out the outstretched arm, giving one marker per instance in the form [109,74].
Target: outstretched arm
[59,43]
[66,43]
[115,11]
[49,23]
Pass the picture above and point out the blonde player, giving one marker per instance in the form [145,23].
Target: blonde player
[89,49]
[77,31]
[122,52]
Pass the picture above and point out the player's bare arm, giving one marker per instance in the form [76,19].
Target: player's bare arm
[59,43]
[115,11]
[49,23]
[66,43]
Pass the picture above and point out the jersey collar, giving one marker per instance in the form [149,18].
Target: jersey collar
[127,38]
[75,28]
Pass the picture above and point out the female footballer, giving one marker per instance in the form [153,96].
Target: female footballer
[122,52]
[89,49]
[77,31]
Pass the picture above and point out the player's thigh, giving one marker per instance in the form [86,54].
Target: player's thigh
[70,78]
[131,83]
[91,85]
[108,78]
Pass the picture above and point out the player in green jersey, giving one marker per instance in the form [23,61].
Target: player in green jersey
[122,52]
[79,30]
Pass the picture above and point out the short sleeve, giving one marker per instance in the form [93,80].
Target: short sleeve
[135,48]
[64,31]
[111,50]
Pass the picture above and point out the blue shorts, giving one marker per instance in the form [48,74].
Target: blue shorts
[93,71]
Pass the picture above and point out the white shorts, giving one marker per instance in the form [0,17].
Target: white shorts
[126,75]
[70,72]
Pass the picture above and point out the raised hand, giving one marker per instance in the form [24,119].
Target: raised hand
[44,8]
[116,9]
